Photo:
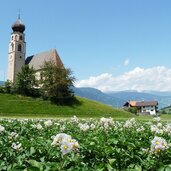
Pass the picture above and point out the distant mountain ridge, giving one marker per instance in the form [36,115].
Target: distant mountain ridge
[97,95]
[1,82]
[117,99]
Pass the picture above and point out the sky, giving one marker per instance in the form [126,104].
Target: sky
[112,45]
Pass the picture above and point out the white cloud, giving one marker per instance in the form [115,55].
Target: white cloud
[156,78]
[126,62]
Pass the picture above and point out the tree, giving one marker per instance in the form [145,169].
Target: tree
[133,110]
[56,83]
[8,86]
[26,82]
[164,112]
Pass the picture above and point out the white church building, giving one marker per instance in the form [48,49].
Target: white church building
[17,54]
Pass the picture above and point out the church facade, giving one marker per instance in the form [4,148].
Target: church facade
[17,54]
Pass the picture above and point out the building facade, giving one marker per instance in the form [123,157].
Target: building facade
[144,107]
[17,54]
[17,50]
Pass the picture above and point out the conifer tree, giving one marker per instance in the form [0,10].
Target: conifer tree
[26,82]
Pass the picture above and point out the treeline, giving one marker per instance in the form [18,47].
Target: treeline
[54,83]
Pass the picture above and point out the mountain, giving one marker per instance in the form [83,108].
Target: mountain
[1,82]
[117,99]
[160,93]
[128,95]
[97,95]
[159,96]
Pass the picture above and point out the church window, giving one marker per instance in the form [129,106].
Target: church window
[19,47]
[21,37]
[15,37]
[12,37]
[20,57]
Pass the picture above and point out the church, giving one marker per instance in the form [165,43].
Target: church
[17,54]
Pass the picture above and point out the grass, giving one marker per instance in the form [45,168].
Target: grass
[20,106]
[16,106]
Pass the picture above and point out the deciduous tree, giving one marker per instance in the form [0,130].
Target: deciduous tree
[56,83]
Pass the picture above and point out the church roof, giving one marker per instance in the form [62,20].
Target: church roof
[38,60]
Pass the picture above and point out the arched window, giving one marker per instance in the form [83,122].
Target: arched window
[21,37]
[15,37]
[12,47]
[12,37]
[19,47]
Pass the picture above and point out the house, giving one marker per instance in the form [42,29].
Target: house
[146,107]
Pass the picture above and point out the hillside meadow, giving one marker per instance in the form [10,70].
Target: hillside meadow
[20,106]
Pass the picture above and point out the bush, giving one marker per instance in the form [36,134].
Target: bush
[133,110]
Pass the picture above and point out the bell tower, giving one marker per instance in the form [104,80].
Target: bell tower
[17,50]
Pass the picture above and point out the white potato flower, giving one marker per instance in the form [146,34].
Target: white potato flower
[129,123]
[156,119]
[59,138]
[74,119]
[84,127]
[39,126]
[16,146]
[92,126]
[66,143]
[48,123]
[13,135]
[140,129]
[2,129]
[167,129]
[156,130]
[66,147]
[158,144]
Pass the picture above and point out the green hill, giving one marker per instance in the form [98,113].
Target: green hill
[19,106]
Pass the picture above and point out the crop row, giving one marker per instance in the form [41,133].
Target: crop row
[88,145]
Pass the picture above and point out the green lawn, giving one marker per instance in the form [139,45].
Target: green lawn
[19,106]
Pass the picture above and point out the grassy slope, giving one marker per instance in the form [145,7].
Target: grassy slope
[19,106]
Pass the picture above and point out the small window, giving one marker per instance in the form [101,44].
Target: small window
[20,57]
[21,37]
[12,37]
[15,37]
[19,47]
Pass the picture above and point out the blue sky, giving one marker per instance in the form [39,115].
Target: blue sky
[110,45]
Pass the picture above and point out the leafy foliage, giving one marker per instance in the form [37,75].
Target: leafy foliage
[133,110]
[26,82]
[103,146]
[8,86]
[56,83]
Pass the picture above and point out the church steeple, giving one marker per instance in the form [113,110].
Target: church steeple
[17,50]
[18,26]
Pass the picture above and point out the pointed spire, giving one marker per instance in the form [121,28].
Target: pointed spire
[18,26]
[19,14]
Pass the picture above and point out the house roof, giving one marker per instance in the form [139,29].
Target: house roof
[147,103]
[38,60]
[141,103]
